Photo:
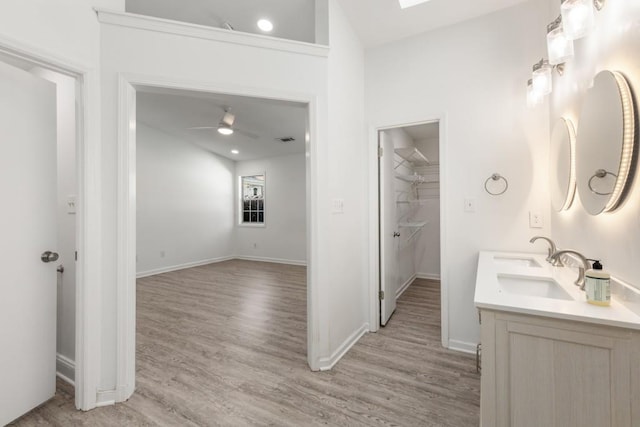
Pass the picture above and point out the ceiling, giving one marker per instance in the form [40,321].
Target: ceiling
[258,122]
[292,19]
[382,21]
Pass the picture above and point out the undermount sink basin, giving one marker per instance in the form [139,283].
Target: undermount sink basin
[516,261]
[532,286]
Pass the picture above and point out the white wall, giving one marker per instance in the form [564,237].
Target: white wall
[67,28]
[345,166]
[184,205]
[283,238]
[614,45]
[66,217]
[473,75]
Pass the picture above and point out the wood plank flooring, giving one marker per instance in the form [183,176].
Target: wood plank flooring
[225,344]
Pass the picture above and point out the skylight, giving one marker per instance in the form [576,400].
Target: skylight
[408,3]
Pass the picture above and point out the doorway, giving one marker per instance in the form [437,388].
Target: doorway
[45,99]
[131,88]
[409,211]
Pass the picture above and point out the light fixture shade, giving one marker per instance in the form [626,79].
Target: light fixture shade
[225,129]
[578,18]
[559,47]
[542,80]
[534,98]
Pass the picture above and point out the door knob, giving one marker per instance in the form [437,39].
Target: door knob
[49,256]
[396,234]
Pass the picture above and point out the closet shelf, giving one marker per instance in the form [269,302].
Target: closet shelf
[410,178]
[418,224]
[411,155]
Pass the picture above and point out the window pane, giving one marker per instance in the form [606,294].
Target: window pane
[260,205]
[245,217]
[260,216]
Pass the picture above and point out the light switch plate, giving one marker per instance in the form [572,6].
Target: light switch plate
[535,219]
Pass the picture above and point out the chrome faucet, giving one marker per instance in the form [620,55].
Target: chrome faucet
[556,262]
[585,264]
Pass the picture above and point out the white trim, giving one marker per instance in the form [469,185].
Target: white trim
[462,346]
[167,26]
[105,398]
[327,363]
[183,266]
[374,239]
[404,286]
[428,276]
[88,216]
[65,369]
[126,215]
[273,260]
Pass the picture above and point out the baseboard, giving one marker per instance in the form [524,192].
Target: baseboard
[182,266]
[464,347]
[65,369]
[274,260]
[428,276]
[326,363]
[404,286]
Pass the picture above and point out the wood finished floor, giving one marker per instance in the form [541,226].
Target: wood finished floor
[225,344]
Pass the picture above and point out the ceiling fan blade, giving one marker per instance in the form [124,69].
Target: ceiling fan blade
[202,127]
[246,133]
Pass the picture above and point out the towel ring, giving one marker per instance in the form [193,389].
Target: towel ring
[600,173]
[496,177]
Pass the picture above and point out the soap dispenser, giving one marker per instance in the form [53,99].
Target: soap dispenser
[598,285]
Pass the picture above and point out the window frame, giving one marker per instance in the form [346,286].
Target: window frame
[241,201]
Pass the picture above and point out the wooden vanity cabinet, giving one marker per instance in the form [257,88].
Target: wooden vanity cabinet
[538,371]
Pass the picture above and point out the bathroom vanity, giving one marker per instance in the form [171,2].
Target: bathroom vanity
[548,357]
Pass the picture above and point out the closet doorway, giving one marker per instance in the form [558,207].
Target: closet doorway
[409,210]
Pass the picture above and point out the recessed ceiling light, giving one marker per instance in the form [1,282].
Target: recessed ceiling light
[408,3]
[265,25]
[235,152]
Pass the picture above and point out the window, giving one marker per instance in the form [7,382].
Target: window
[252,203]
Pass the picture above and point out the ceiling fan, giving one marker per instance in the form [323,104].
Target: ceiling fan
[225,126]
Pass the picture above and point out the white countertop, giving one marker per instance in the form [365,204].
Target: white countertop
[625,300]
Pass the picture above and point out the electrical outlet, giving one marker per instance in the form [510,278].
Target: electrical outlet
[71,204]
[337,206]
[470,205]
[535,219]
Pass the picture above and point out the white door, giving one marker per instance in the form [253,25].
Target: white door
[27,230]
[389,232]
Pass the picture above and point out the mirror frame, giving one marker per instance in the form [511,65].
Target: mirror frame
[626,167]
[570,191]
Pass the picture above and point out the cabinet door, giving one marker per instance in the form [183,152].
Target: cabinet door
[547,375]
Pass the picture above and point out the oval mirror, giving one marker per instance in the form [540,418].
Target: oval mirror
[562,170]
[605,147]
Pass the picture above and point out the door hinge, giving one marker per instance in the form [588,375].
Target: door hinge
[76,255]
[380,150]
[381,295]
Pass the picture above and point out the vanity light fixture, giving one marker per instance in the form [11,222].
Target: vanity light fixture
[559,47]
[628,142]
[265,25]
[534,98]
[571,193]
[408,3]
[578,18]
[541,76]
